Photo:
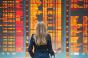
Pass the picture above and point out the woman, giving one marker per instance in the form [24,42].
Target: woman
[41,41]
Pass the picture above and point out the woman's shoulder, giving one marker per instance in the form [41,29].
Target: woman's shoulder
[48,34]
[33,35]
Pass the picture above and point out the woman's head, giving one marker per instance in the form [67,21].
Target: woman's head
[41,28]
[41,31]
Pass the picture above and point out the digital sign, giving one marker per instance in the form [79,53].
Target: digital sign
[11,26]
[48,11]
[79,27]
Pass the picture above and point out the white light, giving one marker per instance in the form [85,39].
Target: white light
[13,53]
[3,53]
[71,53]
[75,53]
[8,53]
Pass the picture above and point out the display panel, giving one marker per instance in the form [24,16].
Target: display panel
[11,26]
[79,27]
[48,11]
[72,21]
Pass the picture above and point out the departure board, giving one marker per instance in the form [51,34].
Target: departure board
[48,11]
[66,21]
[79,27]
[11,26]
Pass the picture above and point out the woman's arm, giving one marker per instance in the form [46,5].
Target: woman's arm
[50,45]
[30,48]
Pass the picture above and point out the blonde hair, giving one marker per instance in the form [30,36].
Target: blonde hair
[41,30]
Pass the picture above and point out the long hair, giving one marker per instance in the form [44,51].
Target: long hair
[41,30]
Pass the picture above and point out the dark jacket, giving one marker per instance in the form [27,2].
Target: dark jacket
[41,51]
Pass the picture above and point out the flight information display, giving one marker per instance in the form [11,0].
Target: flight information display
[48,11]
[11,26]
[79,27]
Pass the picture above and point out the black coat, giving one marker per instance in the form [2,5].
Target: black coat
[41,51]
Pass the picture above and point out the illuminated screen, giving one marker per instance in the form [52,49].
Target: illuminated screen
[18,19]
[79,27]
[19,26]
[48,11]
[79,34]
[11,26]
